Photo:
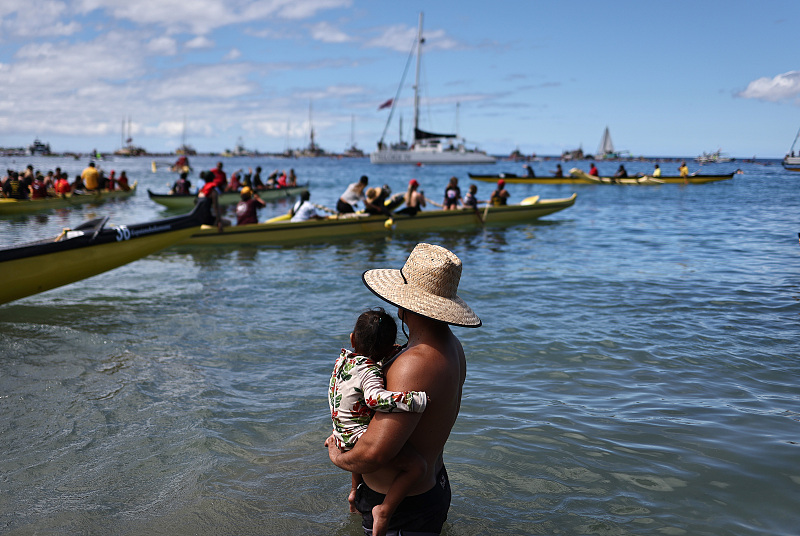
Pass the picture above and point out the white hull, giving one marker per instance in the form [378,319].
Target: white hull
[792,163]
[391,156]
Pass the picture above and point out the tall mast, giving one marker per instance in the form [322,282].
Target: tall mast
[420,40]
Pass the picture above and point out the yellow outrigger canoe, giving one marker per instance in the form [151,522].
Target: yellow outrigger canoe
[281,231]
[25,206]
[577,176]
[87,250]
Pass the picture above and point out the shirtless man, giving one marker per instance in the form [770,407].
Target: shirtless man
[425,293]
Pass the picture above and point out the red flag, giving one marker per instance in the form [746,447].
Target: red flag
[386,104]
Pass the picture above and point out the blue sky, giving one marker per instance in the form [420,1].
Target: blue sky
[668,78]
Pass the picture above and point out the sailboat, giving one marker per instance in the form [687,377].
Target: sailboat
[353,151]
[426,147]
[128,148]
[186,150]
[606,148]
[791,161]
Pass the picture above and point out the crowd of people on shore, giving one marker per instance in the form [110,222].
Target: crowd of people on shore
[33,184]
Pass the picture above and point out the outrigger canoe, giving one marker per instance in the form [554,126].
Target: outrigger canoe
[580,177]
[186,201]
[354,225]
[87,250]
[24,206]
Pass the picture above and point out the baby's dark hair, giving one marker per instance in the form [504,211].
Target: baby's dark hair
[374,334]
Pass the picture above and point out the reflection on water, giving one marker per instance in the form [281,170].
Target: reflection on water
[634,374]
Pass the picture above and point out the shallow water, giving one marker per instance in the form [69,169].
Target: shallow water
[636,373]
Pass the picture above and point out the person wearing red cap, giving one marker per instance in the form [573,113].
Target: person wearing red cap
[500,195]
[414,199]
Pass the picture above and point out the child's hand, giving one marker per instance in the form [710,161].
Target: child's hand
[352,500]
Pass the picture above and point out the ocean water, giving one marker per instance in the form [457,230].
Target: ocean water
[637,371]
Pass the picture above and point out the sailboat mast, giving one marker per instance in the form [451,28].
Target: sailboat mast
[420,40]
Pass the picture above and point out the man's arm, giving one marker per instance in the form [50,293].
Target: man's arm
[387,432]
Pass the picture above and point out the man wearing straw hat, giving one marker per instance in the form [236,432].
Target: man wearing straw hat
[425,292]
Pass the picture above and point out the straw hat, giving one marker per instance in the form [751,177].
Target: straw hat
[426,285]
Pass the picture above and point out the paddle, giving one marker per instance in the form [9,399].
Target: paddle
[434,203]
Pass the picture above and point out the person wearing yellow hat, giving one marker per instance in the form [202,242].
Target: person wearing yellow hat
[425,292]
[246,209]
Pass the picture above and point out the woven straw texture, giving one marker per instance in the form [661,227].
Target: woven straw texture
[432,274]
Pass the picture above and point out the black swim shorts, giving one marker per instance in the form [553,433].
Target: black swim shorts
[417,515]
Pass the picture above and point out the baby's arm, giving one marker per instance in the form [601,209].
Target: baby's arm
[378,398]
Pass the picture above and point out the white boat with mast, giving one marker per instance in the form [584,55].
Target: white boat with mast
[606,149]
[426,147]
[791,161]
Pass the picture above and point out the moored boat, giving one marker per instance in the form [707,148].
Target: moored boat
[287,232]
[585,178]
[186,201]
[24,206]
[791,162]
[89,249]
[426,147]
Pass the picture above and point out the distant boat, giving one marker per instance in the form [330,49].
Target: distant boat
[426,147]
[37,147]
[606,149]
[353,151]
[184,149]
[717,157]
[791,162]
[128,148]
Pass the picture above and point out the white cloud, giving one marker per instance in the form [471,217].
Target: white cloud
[199,42]
[234,53]
[781,87]
[27,18]
[203,16]
[401,38]
[326,33]
[165,46]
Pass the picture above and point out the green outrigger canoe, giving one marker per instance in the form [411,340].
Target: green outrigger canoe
[25,206]
[577,176]
[281,231]
[186,201]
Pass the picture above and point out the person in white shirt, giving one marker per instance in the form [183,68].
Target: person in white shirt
[303,210]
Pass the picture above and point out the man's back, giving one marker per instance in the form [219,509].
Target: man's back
[433,363]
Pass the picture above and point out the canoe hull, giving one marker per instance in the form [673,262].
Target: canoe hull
[280,233]
[587,179]
[26,206]
[36,267]
[186,202]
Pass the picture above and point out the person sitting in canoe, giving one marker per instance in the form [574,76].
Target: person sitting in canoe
[593,171]
[122,182]
[182,186]
[352,195]
[62,184]
[247,208]
[13,188]
[528,170]
[37,188]
[234,185]
[303,210]
[91,177]
[208,198]
[500,195]
[375,202]
[559,172]
[452,195]
[470,200]
[414,199]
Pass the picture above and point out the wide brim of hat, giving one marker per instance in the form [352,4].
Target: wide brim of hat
[389,286]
